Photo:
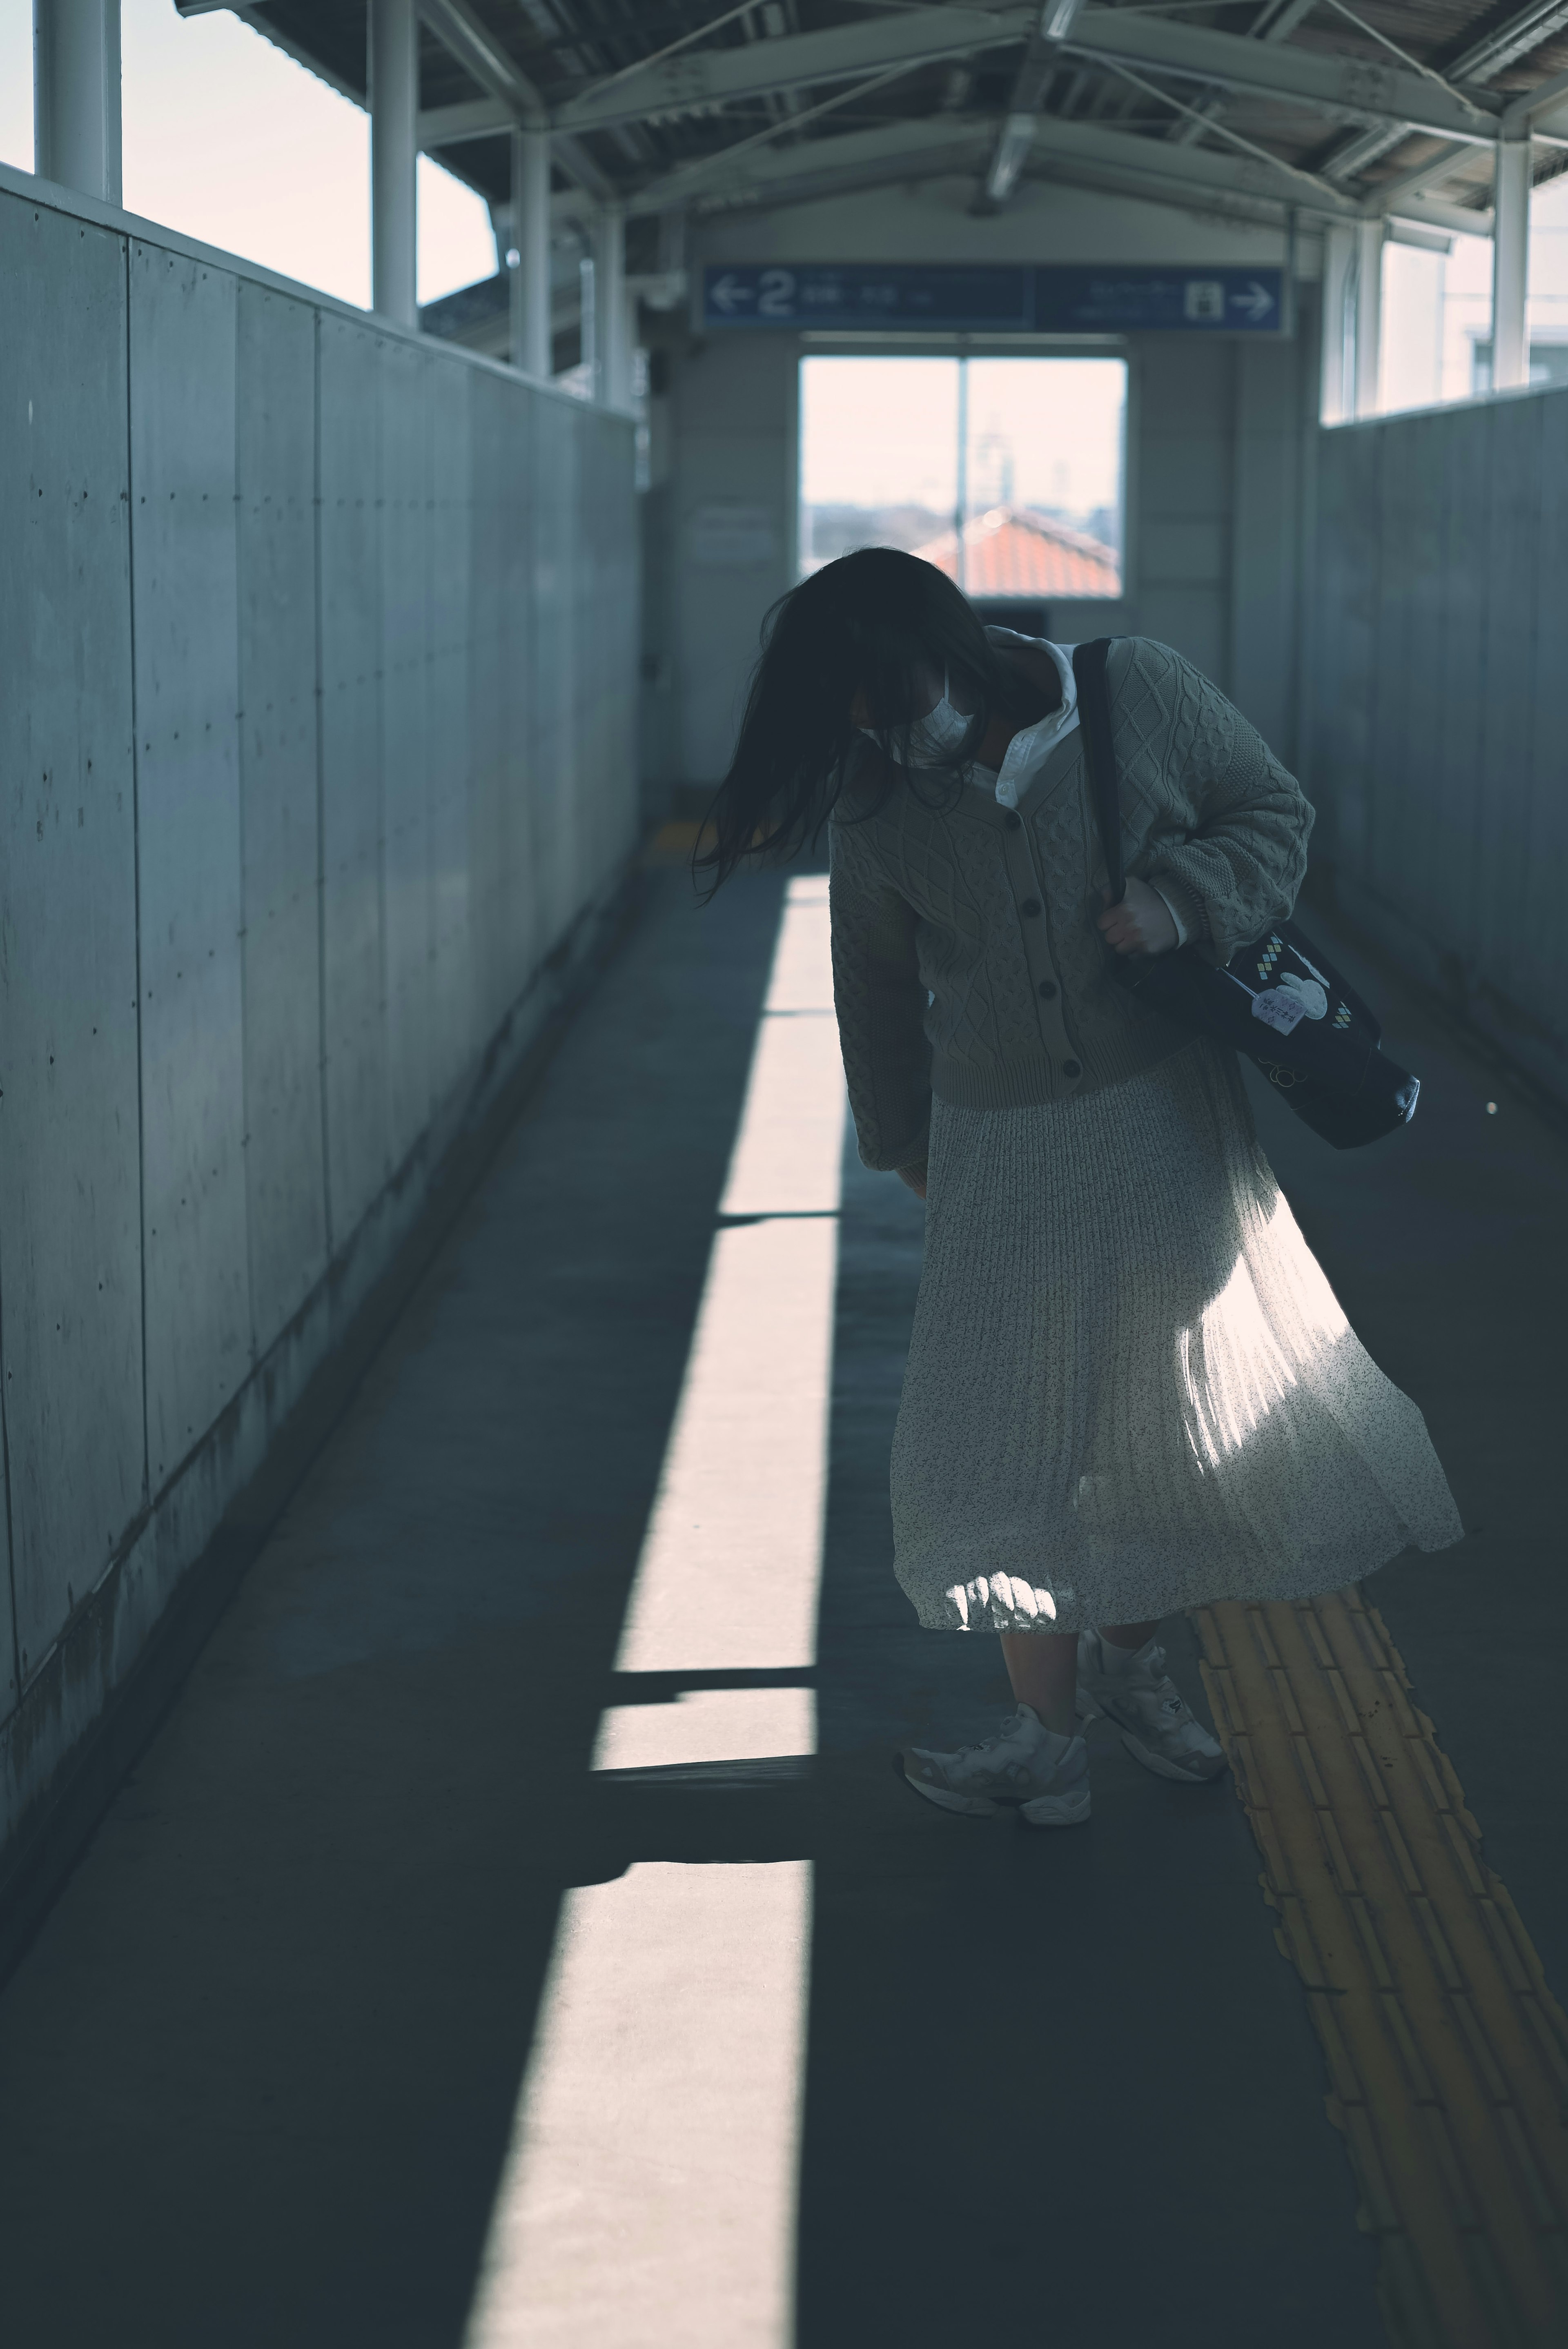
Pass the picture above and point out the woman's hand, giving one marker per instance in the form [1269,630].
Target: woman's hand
[915,1177]
[1141,924]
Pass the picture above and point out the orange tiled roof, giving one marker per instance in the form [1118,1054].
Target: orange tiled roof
[1012,552]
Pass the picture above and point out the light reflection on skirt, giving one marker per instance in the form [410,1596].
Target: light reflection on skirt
[1131,1388]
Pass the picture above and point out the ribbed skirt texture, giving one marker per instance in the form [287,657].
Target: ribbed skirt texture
[1131,1388]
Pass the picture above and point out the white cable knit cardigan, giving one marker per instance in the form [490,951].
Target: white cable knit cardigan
[966,959]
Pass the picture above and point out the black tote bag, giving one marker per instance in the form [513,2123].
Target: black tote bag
[1279,1000]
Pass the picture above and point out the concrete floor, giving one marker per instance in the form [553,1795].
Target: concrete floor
[259,2072]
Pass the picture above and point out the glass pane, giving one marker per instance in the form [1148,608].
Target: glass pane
[1044,480]
[878,455]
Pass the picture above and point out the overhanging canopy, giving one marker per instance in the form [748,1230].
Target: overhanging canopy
[1335,109]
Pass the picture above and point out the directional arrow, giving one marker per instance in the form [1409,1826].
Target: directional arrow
[729,292]
[1257,301]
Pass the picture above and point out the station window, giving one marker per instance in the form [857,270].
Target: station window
[1007,473]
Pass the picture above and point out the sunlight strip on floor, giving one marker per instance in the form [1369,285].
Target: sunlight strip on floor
[648,2200]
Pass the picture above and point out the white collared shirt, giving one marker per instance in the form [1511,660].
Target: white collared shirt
[1033,745]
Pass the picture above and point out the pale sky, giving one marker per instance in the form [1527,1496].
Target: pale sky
[885,431]
[229,141]
[1436,306]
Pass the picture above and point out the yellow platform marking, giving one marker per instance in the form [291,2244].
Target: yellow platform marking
[673,843]
[1446,2055]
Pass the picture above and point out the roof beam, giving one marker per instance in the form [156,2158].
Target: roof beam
[1344,89]
[1434,214]
[1190,169]
[1350,89]
[1480,63]
[700,79]
[940,143]
[1523,31]
[477,50]
[476,118]
[1542,111]
[1274,22]
[461,31]
[1026,101]
[891,149]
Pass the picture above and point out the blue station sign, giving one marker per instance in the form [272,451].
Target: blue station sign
[1128,299]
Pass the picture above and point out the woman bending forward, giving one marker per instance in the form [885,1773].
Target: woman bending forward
[1130,1389]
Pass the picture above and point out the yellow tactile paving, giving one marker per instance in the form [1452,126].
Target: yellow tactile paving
[1446,2055]
[673,843]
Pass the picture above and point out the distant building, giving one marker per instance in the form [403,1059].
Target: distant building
[1014,551]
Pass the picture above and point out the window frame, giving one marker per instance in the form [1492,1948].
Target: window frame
[828,343]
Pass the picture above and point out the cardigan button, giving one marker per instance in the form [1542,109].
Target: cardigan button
[1030,908]
[1047,989]
[1013,820]
[1071,1068]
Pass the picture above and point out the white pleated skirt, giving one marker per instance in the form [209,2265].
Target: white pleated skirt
[1131,1388]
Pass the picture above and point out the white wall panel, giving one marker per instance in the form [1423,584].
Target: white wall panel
[285,1192]
[1264,552]
[1539,874]
[487,694]
[1442,609]
[184,568]
[1185,553]
[353,974]
[1395,592]
[1452,803]
[1183,471]
[1347,681]
[289,823]
[1193,617]
[405,504]
[619,621]
[517,695]
[456,1037]
[575,816]
[1510,654]
[556,649]
[70,1216]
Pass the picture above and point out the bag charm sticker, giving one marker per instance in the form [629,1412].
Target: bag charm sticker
[1314,997]
[1280,1007]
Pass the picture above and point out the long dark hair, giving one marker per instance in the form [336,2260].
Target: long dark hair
[868,625]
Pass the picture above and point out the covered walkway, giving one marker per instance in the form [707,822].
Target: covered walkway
[453,1894]
[460,1966]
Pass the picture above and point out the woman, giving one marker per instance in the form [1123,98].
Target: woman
[1130,1389]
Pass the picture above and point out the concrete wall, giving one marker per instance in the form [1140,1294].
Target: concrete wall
[1440,699]
[316,745]
[1217,433]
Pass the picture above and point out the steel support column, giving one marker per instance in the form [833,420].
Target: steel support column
[1368,317]
[1511,266]
[531,240]
[393,27]
[1336,397]
[612,341]
[75,95]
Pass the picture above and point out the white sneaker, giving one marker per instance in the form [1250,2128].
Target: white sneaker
[1148,1710]
[1028,1768]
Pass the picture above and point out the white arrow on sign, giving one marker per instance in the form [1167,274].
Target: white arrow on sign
[729,291]
[1257,301]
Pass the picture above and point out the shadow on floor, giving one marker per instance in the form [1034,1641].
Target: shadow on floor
[259,2072]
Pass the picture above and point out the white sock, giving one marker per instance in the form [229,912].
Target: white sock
[1118,1659]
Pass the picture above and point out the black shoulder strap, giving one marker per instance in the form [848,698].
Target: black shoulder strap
[1100,754]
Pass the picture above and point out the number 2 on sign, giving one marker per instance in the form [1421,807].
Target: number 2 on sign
[776,293]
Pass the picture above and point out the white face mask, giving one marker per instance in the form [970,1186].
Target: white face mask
[934,738]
